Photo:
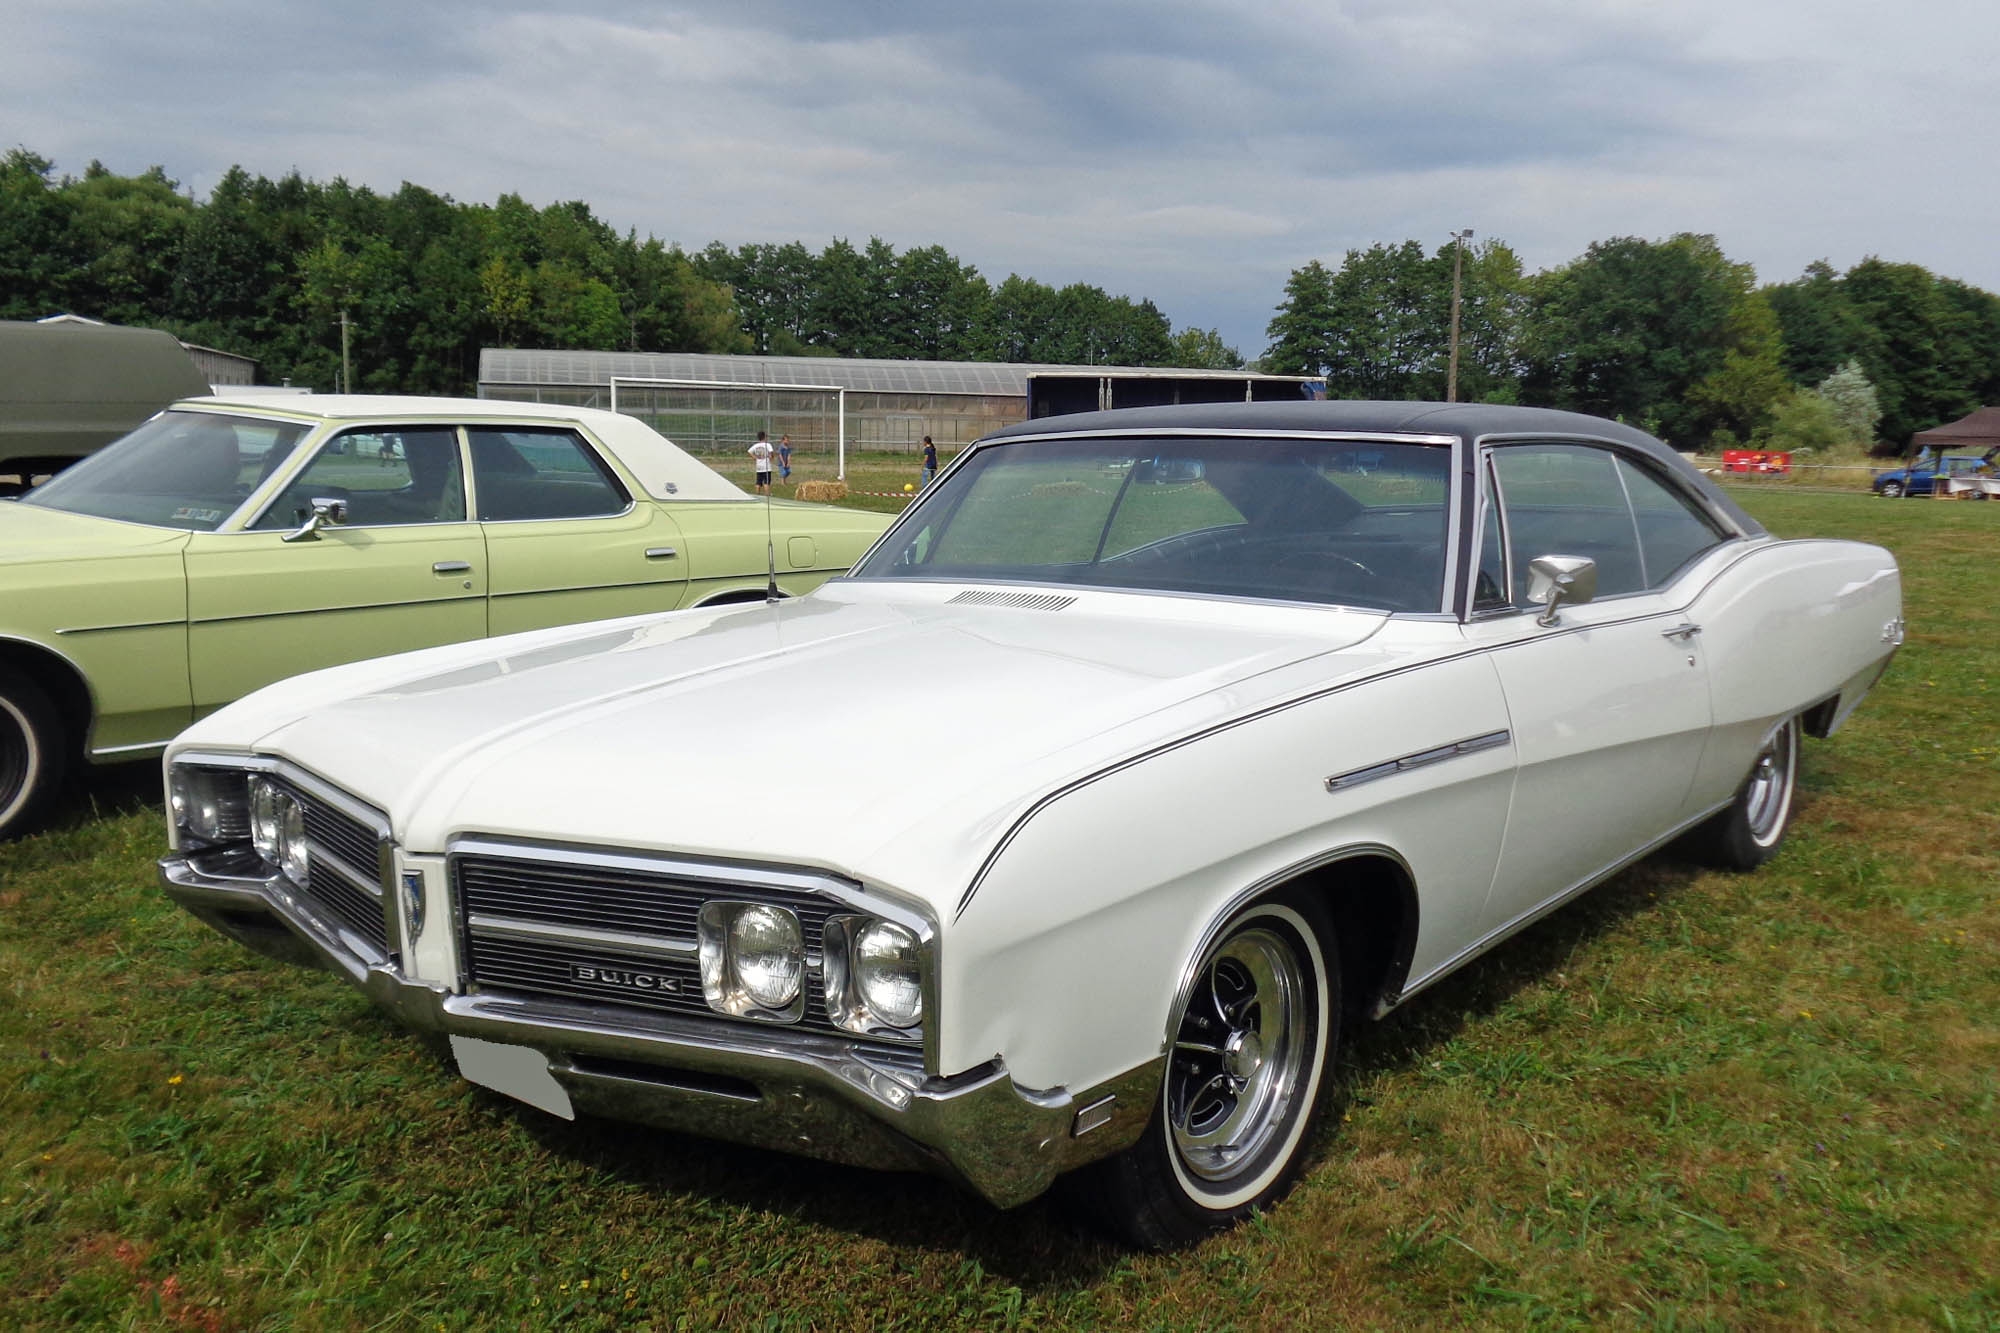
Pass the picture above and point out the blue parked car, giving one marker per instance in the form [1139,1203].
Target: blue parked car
[1921,479]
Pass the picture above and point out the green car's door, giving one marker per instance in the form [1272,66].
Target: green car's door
[565,540]
[406,569]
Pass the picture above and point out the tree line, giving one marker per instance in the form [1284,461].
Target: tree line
[271,268]
[1669,335]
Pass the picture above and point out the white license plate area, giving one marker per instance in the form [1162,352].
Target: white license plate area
[521,1072]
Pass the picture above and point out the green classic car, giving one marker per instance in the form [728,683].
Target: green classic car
[231,542]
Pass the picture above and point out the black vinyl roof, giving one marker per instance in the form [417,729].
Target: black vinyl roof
[1465,421]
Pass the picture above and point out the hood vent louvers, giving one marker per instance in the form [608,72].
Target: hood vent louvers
[1026,601]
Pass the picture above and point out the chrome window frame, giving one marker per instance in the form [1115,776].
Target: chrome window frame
[1454,499]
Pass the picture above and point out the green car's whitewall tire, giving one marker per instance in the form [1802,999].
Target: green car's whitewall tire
[31,752]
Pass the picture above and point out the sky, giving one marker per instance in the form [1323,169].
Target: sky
[1193,154]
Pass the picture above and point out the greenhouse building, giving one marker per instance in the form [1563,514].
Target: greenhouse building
[717,404]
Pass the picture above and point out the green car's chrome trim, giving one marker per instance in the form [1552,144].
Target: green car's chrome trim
[113,629]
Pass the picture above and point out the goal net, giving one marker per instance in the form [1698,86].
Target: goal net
[717,419]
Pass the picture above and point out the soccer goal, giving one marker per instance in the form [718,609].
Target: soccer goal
[717,418]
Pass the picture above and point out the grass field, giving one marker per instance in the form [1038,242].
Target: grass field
[1689,1100]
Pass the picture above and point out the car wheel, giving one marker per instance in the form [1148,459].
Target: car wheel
[1748,833]
[31,752]
[1253,1036]
[1892,489]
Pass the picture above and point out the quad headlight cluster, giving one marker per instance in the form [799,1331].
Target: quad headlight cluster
[754,965]
[217,807]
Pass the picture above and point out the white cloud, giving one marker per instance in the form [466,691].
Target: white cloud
[1190,153]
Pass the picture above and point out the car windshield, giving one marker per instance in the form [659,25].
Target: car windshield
[1345,522]
[179,470]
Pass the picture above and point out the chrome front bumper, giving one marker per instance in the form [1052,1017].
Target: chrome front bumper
[792,1092]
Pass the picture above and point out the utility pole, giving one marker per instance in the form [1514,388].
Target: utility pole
[1458,240]
[347,367]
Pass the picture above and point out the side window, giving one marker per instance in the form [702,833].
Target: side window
[1573,499]
[527,472]
[1671,531]
[406,475]
[1567,499]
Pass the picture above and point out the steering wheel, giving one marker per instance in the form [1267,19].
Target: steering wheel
[1319,560]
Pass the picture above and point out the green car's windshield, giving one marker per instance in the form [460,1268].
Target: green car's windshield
[182,469]
[1346,522]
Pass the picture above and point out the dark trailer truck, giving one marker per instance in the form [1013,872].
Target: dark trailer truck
[66,388]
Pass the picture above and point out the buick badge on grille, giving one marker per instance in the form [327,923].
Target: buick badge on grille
[624,978]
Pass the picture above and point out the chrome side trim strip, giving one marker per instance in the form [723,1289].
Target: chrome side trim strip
[113,629]
[1492,740]
[323,610]
[654,946]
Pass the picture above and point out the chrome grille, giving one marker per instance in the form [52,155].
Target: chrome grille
[500,898]
[343,879]
[330,830]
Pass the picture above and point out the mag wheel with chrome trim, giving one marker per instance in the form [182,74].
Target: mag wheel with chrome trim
[31,752]
[1253,1035]
[1749,832]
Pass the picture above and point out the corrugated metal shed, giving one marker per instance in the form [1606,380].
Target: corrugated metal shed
[516,366]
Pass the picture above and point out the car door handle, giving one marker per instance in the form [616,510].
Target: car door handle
[1684,631]
[661,553]
[451,567]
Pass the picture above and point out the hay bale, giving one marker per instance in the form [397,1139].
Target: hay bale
[1048,489]
[827,492]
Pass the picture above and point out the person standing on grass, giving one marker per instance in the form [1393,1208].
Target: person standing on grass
[930,460]
[784,458]
[760,453]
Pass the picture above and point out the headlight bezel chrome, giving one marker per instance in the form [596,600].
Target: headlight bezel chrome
[278,829]
[736,937]
[847,970]
[209,804]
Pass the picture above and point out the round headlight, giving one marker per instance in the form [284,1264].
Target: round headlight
[767,953]
[266,823]
[887,975]
[207,803]
[292,840]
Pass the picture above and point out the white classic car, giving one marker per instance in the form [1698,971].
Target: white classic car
[1146,751]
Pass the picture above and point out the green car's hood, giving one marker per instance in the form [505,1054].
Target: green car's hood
[30,533]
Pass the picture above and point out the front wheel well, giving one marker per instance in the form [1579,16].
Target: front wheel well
[1372,902]
[57,679]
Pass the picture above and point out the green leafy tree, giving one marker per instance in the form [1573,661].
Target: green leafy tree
[1917,346]
[1804,422]
[1645,331]
[1854,403]
[1380,325]
[1203,349]
[40,254]
[1306,331]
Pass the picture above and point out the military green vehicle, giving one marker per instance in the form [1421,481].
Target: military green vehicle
[66,388]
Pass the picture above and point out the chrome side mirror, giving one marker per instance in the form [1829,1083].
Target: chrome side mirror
[325,510]
[1556,579]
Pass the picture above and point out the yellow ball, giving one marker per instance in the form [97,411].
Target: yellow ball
[909,485]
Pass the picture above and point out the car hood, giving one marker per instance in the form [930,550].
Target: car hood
[891,735]
[31,533]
